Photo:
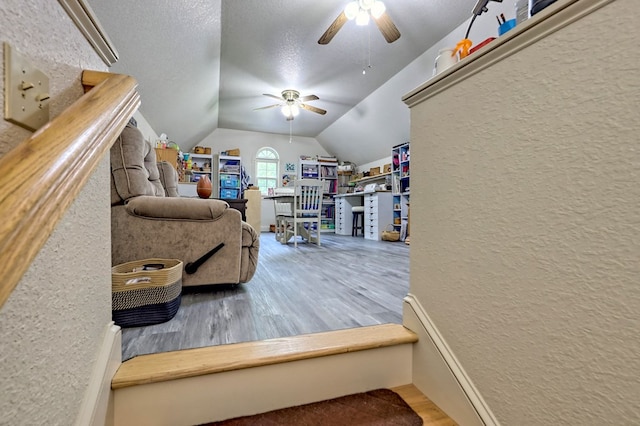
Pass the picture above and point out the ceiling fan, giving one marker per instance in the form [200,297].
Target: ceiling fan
[291,102]
[361,10]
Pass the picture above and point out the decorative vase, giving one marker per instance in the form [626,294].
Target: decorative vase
[204,187]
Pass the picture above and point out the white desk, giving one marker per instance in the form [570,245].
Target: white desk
[378,212]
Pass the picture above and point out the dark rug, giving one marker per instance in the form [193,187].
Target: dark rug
[378,407]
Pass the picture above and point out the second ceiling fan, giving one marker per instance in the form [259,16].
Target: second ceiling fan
[361,10]
[291,103]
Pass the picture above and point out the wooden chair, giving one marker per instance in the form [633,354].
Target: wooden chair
[305,218]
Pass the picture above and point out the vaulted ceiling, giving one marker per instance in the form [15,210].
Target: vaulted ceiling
[205,64]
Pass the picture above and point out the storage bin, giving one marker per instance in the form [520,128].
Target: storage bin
[229,193]
[143,293]
[229,181]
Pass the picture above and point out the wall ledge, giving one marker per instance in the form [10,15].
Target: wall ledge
[553,18]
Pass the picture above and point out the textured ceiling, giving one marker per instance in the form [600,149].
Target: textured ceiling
[205,64]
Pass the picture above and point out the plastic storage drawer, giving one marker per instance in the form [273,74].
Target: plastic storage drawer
[229,193]
[229,181]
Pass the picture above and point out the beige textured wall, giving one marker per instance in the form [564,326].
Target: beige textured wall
[526,224]
[53,324]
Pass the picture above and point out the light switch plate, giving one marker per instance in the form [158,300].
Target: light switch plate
[26,91]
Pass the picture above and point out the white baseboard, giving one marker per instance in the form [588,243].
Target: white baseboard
[97,406]
[439,374]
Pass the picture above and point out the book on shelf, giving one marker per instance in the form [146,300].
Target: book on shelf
[329,172]
[330,186]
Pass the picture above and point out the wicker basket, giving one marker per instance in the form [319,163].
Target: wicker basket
[390,234]
[143,295]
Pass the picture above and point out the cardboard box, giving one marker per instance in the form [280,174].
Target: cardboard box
[374,171]
[387,168]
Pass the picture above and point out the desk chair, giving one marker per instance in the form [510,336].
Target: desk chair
[307,210]
[283,208]
[357,213]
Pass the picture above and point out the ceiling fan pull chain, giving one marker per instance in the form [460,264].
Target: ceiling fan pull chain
[366,60]
[290,129]
[369,45]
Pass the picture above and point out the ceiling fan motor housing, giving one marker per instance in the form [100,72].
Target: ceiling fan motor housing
[290,95]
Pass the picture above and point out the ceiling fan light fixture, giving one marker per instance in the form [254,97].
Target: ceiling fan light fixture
[366,4]
[290,110]
[377,9]
[351,10]
[362,11]
[362,18]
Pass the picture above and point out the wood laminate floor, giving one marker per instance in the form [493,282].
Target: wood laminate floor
[347,282]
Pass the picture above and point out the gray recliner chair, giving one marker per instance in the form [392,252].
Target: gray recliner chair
[150,220]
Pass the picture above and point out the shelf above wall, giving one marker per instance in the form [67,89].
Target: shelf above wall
[551,19]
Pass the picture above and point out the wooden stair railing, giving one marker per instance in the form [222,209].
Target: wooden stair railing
[67,150]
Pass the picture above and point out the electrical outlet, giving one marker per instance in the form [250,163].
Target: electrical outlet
[26,91]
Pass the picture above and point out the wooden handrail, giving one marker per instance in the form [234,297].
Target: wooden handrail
[66,151]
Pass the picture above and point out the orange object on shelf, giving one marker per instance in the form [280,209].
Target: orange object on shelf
[463,47]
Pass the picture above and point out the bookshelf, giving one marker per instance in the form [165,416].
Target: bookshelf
[228,176]
[400,178]
[325,168]
[329,173]
[198,165]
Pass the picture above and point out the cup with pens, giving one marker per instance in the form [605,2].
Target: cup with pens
[504,25]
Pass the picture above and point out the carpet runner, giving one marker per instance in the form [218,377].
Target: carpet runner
[378,407]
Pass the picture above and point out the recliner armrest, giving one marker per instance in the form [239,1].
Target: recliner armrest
[176,208]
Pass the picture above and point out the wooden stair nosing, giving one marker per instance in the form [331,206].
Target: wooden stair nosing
[174,365]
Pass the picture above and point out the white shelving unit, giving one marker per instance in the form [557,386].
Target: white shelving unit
[228,179]
[400,172]
[329,172]
[201,164]
[309,169]
[326,169]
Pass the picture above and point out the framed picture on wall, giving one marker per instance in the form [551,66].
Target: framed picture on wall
[288,179]
[290,167]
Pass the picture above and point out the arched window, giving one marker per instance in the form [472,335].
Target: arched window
[267,169]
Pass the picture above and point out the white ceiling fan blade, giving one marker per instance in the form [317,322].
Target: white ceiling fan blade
[309,98]
[313,109]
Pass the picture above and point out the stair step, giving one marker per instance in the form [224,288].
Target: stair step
[430,413]
[167,366]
